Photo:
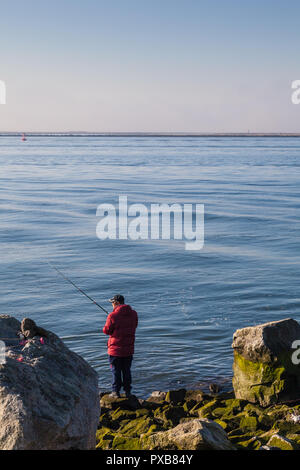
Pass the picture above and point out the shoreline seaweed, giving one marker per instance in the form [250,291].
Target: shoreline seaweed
[131,424]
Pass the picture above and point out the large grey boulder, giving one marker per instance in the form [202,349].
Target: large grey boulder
[49,396]
[264,371]
[196,434]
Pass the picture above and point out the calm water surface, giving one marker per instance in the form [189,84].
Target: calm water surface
[189,303]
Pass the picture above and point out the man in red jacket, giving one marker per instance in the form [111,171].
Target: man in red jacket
[120,325]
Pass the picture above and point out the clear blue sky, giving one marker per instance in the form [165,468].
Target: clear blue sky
[149,65]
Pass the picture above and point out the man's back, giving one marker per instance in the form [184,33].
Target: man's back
[121,325]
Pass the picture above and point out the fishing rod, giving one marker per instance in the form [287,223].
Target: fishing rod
[78,288]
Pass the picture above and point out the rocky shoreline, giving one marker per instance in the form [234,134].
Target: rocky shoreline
[262,412]
[49,398]
[193,420]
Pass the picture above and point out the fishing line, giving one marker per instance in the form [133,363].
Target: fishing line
[76,287]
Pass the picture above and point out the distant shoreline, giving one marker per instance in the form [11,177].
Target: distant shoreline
[150,134]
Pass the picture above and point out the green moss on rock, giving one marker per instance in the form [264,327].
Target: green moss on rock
[223,424]
[282,443]
[143,412]
[122,443]
[194,411]
[248,423]
[286,426]
[219,412]
[206,410]
[252,444]
[136,427]
[295,438]
[238,435]
[104,438]
[265,383]
[234,405]
[193,398]
[120,414]
[170,415]
[188,405]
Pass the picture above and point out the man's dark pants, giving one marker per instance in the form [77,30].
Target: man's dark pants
[120,367]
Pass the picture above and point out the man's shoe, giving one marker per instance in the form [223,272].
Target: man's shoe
[114,395]
[128,395]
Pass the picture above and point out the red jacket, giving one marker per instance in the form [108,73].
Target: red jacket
[121,324]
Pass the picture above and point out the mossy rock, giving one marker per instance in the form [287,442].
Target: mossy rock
[219,412]
[249,423]
[282,443]
[294,437]
[193,397]
[253,410]
[189,405]
[143,412]
[104,439]
[126,443]
[194,411]
[251,444]
[235,405]
[112,403]
[238,435]
[154,428]
[120,414]
[151,405]
[136,427]
[170,415]
[278,412]
[194,434]
[264,436]
[232,422]
[229,408]
[206,410]
[100,432]
[223,424]
[265,383]
[286,426]
[175,396]
[159,411]
[107,421]
[265,422]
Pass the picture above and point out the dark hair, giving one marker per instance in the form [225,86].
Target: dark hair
[119,298]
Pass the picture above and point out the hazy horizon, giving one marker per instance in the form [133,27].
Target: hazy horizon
[153,133]
[160,67]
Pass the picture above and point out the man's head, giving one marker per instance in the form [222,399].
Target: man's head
[117,299]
